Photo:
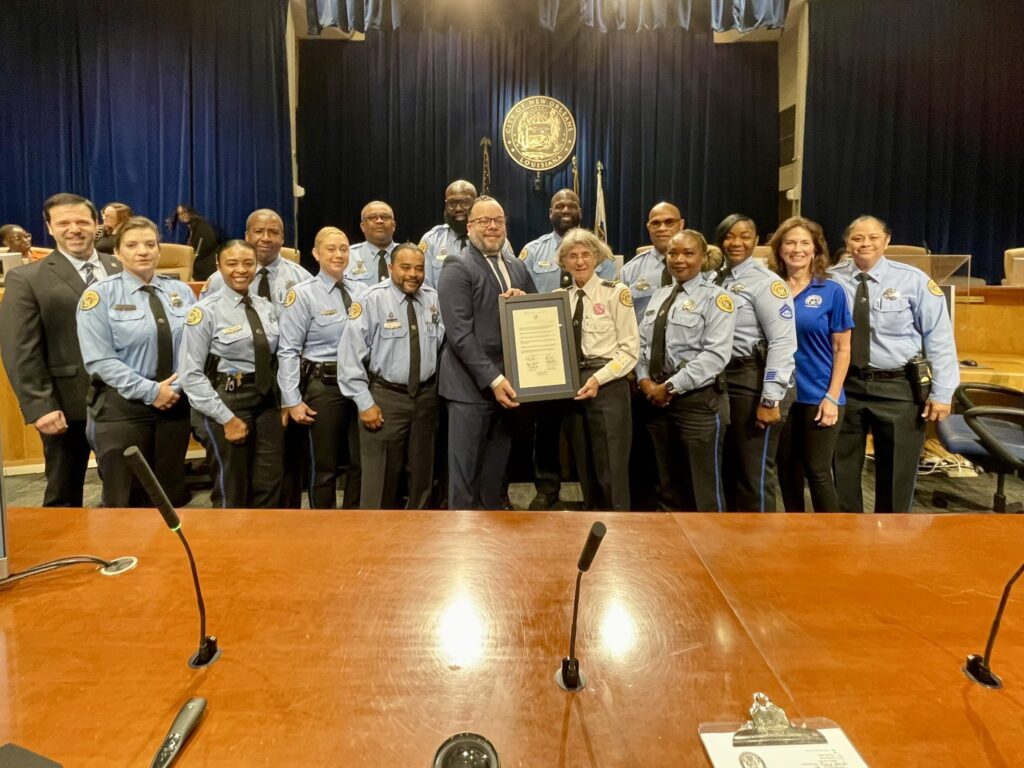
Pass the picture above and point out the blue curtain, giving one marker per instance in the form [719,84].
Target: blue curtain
[915,113]
[748,15]
[671,115]
[144,102]
[605,15]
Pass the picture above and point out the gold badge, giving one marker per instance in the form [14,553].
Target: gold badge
[423,246]
[539,133]
[724,303]
[779,290]
[933,288]
[355,310]
[90,299]
[689,306]
[523,254]
[194,316]
[289,299]
[625,298]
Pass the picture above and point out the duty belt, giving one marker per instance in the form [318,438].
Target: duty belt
[324,370]
[233,381]
[402,389]
[877,374]
[741,362]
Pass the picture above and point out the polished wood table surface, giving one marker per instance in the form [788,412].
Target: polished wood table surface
[367,638]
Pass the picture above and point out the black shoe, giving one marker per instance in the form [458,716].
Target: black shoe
[543,502]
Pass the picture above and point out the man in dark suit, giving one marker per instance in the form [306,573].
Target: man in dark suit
[471,376]
[39,342]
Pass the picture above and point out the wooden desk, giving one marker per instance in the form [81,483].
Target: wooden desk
[356,634]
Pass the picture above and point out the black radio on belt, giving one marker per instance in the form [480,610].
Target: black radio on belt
[919,374]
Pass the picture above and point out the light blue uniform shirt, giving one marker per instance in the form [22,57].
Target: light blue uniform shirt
[440,243]
[284,275]
[311,324]
[377,332]
[217,325]
[362,263]
[541,258]
[643,275]
[908,316]
[698,334]
[118,333]
[764,312]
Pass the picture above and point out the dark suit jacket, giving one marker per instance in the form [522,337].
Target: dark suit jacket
[468,294]
[39,336]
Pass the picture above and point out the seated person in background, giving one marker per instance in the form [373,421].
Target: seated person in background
[113,217]
[16,240]
[202,236]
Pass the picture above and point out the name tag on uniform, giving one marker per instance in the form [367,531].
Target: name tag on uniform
[544,263]
[124,307]
[233,329]
[392,325]
[328,311]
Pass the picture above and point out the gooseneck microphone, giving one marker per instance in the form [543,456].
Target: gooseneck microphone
[568,676]
[188,718]
[976,667]
[208,651]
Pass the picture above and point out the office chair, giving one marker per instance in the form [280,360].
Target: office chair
[989,435]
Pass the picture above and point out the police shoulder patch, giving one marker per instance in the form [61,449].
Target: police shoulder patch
[625,298]
[89,300]
[523,254]
[933,288]
[194,316]
[779,290]
[355,310]
[290,298]
[423,246]
[724,303]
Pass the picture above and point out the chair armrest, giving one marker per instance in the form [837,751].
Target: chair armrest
[995,448]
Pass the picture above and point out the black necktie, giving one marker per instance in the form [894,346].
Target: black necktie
[860,344]
[264,376]
[657,366]
[382,264]
[723,274]
[164,341]
[666,276]
[577,325]
[87,273]
[493,260]
[462,242]
[414,347]
[263,289]
[346,298]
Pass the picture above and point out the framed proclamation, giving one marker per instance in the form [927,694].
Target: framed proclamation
[540,351]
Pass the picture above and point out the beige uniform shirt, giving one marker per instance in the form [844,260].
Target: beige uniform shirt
[609,326]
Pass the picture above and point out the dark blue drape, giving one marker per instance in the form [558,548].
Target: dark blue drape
[747,15]
[671,115]
[145,102]
[915,113]
[628,15]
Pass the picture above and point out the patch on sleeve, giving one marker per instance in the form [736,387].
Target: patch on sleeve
[625,298]
[89,300]
[724,303]
[194,316]
[786,312]
[779,290]
[423,246]
[933,288]
[523,254]
[289,299]
[355,310]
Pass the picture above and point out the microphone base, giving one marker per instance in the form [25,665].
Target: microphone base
[207,654]
[119,566]
[569,678]
[978,671]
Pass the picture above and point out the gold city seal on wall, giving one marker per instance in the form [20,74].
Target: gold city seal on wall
[539,133]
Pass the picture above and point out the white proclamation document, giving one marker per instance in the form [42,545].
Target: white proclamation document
[540,359]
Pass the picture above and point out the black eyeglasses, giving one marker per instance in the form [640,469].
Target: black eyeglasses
[486,221]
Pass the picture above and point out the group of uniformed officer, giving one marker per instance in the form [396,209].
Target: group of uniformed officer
[291,377]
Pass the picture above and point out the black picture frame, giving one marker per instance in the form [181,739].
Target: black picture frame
[507,307]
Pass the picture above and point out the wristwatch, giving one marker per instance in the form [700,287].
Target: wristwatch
[767,403]
[670,388]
